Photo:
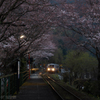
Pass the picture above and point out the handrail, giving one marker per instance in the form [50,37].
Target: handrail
[9,84]
[24,71]
[7,75]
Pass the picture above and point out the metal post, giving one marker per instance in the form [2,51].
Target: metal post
[18,69]
[0,89]
[5,89]
[18,75]
[21,78]
[9,87]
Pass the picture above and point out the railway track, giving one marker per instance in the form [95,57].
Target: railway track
[61,91]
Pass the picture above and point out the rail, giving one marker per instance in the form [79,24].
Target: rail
[9,84]
[61,91]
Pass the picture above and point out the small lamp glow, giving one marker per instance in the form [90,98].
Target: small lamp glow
[22,36]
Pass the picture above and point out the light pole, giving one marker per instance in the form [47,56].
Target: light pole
[18,69]
[18,75]
[21,37]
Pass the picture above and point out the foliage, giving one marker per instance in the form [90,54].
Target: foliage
[90,87]
[83,18]
[29,18]
[80,62]
[58,57]
[66,77]
[94,88]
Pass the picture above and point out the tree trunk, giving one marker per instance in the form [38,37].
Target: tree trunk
[99,69]
[98,76]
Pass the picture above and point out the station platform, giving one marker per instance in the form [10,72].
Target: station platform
[35,89]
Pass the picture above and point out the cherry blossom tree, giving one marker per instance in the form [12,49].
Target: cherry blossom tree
[83,17]
[14,48]
[30,18]
[45,48]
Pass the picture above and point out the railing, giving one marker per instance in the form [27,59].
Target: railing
[9,84]
[23,77]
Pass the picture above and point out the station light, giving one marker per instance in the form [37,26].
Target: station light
[22,36]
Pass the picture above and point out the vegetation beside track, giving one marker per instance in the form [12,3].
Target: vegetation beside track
[80,94]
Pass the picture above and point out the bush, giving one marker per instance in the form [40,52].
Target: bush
[87,86]
[90,87]
[94,88]
[65,77]
[79,83]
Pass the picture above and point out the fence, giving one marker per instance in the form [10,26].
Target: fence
[9,84]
